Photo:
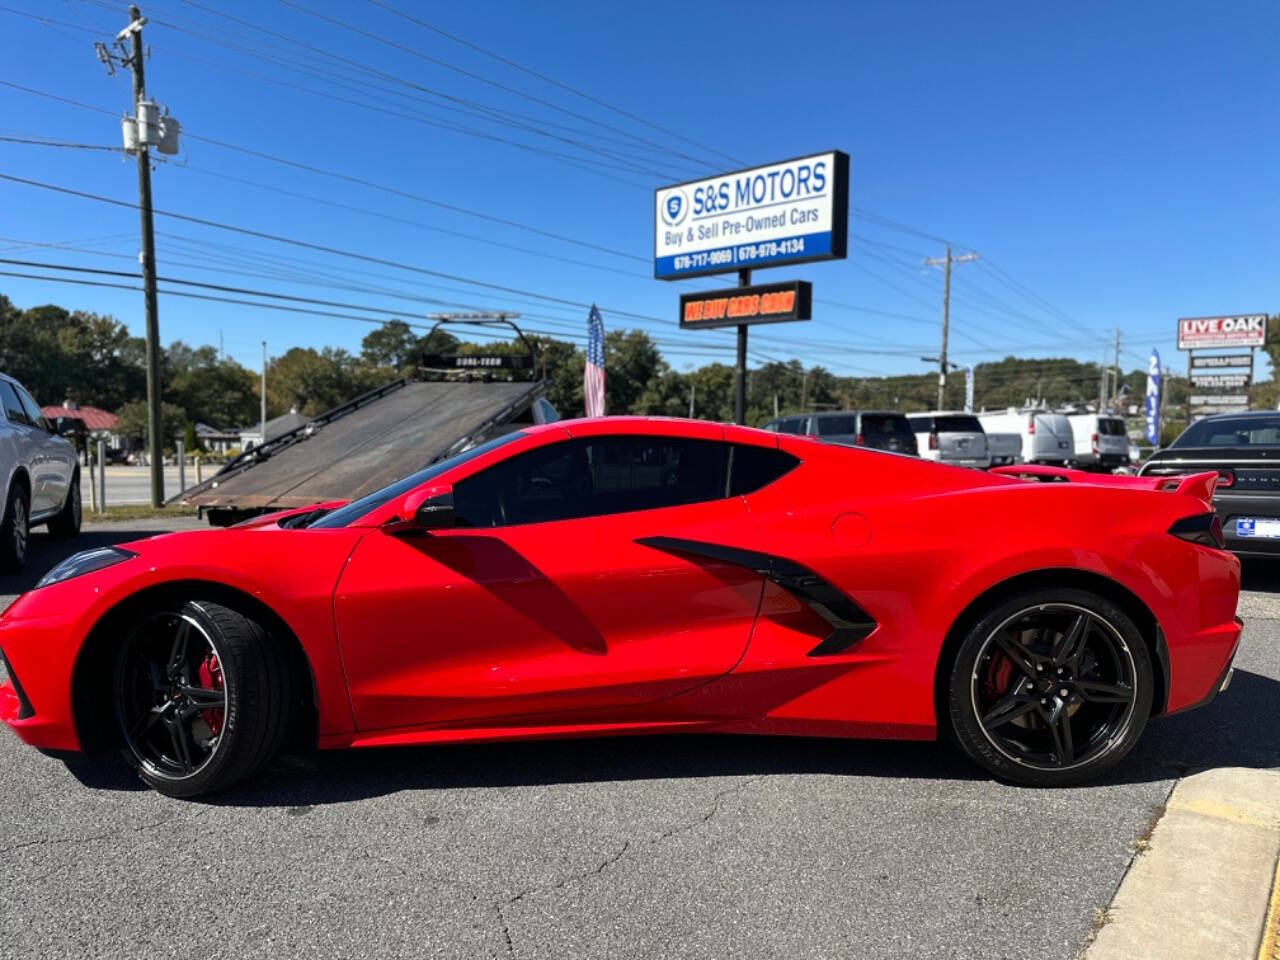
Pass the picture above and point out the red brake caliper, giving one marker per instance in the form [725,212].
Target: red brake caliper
[211,677]
[998,673]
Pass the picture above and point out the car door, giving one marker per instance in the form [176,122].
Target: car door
[26,445]
[56,455]
[545,600]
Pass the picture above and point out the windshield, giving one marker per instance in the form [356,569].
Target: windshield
[358,508]
[1111,426]
[1232,432]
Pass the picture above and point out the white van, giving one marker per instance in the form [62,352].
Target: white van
[954,438]
[1046,437]
[1101,440]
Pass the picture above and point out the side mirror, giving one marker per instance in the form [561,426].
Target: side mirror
[429,509]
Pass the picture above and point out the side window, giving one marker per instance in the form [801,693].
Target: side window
[12,405]
[593,477]
[756,467]
[33,412]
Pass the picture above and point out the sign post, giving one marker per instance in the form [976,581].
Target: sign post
[795,211]
[1197,334]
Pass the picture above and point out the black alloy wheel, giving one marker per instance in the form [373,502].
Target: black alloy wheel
[1052,689]
[202,697]
[171,698]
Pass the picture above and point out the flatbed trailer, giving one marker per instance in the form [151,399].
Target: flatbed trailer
[373,440]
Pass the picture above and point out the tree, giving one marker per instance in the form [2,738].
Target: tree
[315,381]
[59,354]
[133,423]
[631,361]
[190,440]
[211,390]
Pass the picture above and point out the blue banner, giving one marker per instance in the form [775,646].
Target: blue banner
[1153,398]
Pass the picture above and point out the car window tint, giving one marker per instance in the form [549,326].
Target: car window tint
[29,405]
[592,477]
[1111,426]
[921,424]
[958,424]
[356,509]
[756,467]
[832,426]
[12,405]
[884,424]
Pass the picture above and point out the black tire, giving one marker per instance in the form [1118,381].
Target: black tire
[15,528]
[67,522]
[1050,688]
[252,676]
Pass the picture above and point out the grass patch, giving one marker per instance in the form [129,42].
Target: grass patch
[138,511]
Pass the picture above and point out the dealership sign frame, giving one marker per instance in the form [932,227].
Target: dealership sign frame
[736,306]
[777,214]
[1212,333]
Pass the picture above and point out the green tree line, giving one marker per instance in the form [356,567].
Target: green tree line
[92,359]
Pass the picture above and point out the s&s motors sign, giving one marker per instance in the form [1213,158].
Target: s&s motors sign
[1195,333]
[789,212]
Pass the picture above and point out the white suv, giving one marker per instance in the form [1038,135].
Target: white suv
[39,476]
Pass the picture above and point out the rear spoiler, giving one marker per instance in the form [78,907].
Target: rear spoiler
[1198,485]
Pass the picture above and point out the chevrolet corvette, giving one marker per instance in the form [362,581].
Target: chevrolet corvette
[632,575]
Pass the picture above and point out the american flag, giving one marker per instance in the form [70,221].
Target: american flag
[593,378]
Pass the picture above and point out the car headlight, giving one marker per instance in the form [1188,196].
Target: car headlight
[86,561]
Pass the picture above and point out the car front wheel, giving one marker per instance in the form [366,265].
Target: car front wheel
[1051,688]
[201,698]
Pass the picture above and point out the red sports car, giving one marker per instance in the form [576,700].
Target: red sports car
[624,576]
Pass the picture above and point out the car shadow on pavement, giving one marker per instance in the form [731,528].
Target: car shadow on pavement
[1240,728]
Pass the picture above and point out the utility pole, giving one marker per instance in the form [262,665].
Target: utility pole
[264,392]
[946,262]
[693,392]
[740,371]
[1115,377]
[147,260]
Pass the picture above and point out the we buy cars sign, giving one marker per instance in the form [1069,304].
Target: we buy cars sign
[1197,333]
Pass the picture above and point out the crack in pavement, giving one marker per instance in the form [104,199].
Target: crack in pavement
[97,837]
[717,802]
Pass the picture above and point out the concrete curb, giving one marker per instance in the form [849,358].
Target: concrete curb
[1201,886]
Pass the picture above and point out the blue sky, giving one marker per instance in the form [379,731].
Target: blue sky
[1114,165]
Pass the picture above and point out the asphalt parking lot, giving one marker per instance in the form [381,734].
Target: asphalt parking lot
[650,847]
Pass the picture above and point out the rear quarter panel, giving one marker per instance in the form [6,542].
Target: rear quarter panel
[915,543]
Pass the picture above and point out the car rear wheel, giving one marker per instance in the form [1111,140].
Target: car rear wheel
[67,523]
[201,698]
[14,529]
[1051,688]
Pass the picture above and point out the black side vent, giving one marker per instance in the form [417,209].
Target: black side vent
[849,622]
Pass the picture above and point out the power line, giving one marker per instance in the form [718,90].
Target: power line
[58,143]
[554,82]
